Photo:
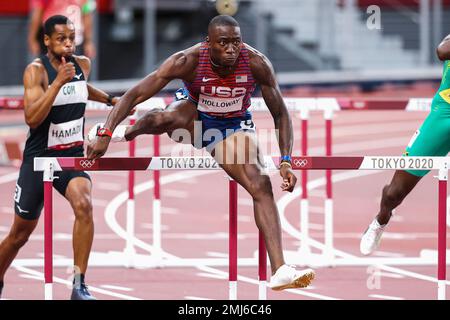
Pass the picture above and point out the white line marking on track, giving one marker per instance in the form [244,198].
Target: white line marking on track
[9,177]
[196,298]
[180,194]
[65,282]
[245,202]
[168,210]
[112,287]
[389,275]
[99,202]
[109,186]
[7,210]
[380,296]
[387,254]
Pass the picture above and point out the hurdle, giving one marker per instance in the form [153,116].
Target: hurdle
[51,165]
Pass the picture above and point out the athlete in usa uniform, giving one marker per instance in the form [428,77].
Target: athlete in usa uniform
[220,75]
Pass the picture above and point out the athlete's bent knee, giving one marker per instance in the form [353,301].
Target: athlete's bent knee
[261,187]
[18,239]
[82,208]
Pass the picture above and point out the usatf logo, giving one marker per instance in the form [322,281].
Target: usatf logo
[300,162]
[87,164]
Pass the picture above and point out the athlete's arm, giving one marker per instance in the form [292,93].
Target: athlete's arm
[101,96]
[443,50]
[264,74]
[94,94]
[175,67]
[178,66]
[38,102]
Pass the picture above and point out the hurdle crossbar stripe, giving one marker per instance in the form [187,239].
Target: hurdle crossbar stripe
[208,163]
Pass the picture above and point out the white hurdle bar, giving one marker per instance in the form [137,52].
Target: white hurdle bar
[51,165]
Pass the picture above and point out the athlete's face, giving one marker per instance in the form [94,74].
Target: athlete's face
[62,41]
[224,44]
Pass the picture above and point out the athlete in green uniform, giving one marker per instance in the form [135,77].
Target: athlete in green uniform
[432,139]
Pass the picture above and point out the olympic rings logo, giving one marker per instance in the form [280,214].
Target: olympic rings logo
[86,164]
[301,162]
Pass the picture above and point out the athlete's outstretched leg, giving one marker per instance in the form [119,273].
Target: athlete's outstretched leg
[238,155]
[393,194]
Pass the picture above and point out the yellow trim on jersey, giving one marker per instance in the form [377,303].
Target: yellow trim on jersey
[445,94]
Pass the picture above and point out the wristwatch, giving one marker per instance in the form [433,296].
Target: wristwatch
[110,99]
[104,132]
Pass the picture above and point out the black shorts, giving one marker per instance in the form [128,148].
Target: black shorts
[29,194]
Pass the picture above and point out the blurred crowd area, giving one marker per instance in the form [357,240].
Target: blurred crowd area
[318,47]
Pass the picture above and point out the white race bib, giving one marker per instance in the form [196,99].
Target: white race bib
[65,133]
[219,105]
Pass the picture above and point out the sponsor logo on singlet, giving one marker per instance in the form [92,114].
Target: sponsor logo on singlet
[65,133]
[220,99]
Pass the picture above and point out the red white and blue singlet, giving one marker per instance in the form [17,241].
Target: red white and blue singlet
[222,102]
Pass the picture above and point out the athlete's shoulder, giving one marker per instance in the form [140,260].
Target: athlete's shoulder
[188,55]
[35,68]
[260,65]
[84,62]
[80,59]
[253,53]
[181,63]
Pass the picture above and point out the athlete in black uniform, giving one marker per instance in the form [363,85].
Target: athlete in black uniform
[55,97]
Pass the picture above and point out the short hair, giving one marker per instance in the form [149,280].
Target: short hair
[222,20]
[49,24]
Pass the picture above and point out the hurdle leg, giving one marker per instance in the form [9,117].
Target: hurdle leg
[328,205]
[232,241]
[262,267]
[48,231]
[156,203]
[130,221]
[304,249]
[442,232]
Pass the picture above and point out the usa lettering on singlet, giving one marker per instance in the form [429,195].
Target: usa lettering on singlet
[222,96]
[63,128]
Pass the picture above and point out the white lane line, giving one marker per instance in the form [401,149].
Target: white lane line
[7,210]
[245,202]
[150,226]
[380,296]
[387,254]
[66,282]
[315,209]
[217,254]
[180,194]
[196,298]
[118,288]
[9,177]
[388,275]
[109,186]
[99,202]
[29,276]
[168,210]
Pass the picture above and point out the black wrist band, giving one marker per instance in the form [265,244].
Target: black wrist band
[110,99]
